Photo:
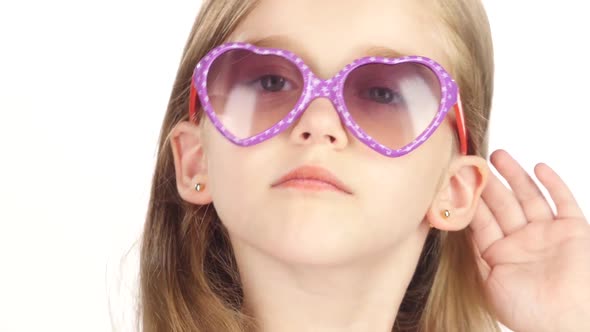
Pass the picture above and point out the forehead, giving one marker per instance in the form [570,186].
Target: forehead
[328,34]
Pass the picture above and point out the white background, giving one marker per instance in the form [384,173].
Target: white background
[83,89]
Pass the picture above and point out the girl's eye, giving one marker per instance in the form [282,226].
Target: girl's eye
[273,83]
[384,95]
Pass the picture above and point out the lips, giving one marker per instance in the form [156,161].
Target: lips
[312,177]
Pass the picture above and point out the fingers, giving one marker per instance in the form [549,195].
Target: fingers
[564,200]
[483,267]
[526,191]
[501,211]
[504,205]
[485,228]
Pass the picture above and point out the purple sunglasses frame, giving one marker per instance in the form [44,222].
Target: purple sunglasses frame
[331,89]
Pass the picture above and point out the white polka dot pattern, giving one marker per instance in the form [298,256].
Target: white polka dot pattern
[331,89]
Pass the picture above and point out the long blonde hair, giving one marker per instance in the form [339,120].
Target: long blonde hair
[188,275]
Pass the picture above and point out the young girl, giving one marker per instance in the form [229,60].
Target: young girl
[322,167]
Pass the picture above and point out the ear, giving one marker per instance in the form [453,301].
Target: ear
[459,193]
[190,162]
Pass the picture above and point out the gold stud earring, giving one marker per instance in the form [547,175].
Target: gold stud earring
[199,187]
[446,214]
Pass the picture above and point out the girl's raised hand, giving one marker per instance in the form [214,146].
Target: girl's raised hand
[535,264]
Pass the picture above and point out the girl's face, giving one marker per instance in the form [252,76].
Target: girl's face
[389,197]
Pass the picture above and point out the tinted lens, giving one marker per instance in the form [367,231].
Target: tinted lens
[250,93]
[394,104]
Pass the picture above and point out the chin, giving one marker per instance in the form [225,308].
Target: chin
[315,236]
[314,247]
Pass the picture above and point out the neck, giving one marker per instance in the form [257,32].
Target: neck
[361,295]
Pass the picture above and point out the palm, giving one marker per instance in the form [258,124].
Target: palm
[536,265]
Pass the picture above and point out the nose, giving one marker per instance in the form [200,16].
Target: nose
[320,124]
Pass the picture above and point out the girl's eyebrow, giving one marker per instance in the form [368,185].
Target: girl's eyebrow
[382,51]
[285,42]
[279,41]
[274,41]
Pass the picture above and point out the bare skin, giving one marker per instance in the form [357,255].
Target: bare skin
[327,261]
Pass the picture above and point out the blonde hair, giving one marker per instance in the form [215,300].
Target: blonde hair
[188,275]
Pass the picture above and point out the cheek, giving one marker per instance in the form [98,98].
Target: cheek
[228,176]
[398,196]
[236,179]
[399,192]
